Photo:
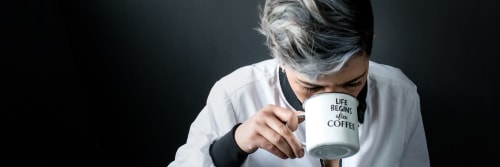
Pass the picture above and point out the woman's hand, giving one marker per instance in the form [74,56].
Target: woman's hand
[271,129]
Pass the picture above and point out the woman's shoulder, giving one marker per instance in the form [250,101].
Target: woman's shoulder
[388,75]
[251,73]
[255,70]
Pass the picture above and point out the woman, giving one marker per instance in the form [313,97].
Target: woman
[250,118]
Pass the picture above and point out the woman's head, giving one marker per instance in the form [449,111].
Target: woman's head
[316,37]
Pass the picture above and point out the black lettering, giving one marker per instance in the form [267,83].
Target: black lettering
[340,123]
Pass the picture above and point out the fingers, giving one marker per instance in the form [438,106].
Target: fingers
[275,143]
[285,115]
[284,140]
[271,129]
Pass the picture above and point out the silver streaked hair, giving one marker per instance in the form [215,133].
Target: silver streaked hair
[316,37]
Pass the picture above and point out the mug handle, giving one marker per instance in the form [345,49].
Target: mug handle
[301,116]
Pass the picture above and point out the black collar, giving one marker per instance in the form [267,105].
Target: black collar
[295,102]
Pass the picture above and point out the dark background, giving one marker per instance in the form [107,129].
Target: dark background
[117,83]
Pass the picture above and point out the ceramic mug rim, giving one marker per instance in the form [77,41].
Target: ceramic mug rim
[323,93]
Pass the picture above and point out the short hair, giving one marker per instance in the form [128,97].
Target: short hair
[316,37]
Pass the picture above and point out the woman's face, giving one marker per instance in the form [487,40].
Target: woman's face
[350,79]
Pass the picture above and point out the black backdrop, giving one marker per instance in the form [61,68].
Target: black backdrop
[117,83]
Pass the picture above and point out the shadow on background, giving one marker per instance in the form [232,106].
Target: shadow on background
[117,83]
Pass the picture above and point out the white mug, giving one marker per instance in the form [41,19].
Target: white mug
[331,121]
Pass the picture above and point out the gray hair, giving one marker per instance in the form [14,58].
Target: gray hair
[316,37]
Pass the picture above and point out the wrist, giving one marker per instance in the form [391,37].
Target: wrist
[239,140]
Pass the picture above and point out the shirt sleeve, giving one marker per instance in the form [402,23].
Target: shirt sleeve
[416,153]
[214,121]
[225,152]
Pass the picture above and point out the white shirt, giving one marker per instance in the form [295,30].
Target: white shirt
[392,134]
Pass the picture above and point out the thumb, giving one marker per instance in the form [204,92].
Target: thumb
[295,120]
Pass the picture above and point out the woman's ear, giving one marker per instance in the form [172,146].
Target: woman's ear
[282,68]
